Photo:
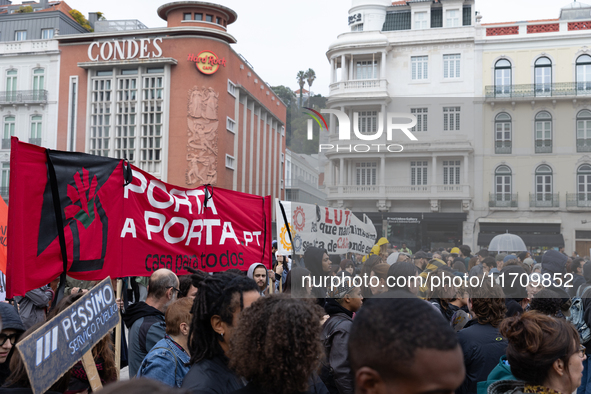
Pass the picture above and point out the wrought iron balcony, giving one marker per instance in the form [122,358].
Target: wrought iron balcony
[583,144]
[24,97]
[543,200]
[502,200]
[561,89]
[503,147]
[578,200]
[543,146]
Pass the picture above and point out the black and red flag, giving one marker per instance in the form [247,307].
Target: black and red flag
[94,217]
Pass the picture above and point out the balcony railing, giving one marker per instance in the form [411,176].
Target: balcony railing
[580,200]
[583,144]
[24,97]
[360,189]
[504,200]
[560,89]
[543,200]
[411,190]
[503,147]
[359,84]
[5,143]
[543,146]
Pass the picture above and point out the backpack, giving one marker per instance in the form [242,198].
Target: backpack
[577,315]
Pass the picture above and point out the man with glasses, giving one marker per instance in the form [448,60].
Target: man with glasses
[145,320]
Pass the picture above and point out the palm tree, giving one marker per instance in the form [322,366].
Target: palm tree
[301,77]
[310,77]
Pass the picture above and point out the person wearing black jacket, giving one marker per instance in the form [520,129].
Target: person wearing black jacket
[216,310]
[343,302]
[481,342]
[576,269]
[318,262]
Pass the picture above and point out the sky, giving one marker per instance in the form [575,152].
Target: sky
[280,38]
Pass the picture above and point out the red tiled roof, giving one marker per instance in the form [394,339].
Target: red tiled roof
[395,3]
[55,6]
[304,91]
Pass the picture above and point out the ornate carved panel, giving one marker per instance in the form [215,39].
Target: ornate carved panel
[502,31]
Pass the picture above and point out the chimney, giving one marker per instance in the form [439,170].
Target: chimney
[43,4]
[92,18]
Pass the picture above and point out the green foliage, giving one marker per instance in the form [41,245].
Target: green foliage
[299,142]
[24,9]
[101,16]
[82,21]
[285,94]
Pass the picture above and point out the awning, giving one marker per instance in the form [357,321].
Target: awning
[550,240]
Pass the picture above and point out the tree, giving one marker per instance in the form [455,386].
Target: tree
[78,17]
[24,9]
[310,77]
[287,96]
[301,77]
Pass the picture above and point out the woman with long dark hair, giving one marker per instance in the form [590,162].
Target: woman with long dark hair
[216,309]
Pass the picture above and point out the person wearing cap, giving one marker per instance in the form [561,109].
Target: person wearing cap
[431,266]
[420,259]
[12,328]
[342,302]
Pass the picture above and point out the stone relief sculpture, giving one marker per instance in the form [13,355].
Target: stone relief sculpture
[202,141]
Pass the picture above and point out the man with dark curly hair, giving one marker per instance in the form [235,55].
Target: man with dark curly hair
[481,342]
[403,345]
[275,346]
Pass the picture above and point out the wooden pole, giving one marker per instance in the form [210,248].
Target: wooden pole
[91,371]
[118,334]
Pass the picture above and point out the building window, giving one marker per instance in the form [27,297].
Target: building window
[543,132]
[9,127]
[366,173]
[467,16]
[230,162]
[584,131]
[543,75]
[584,183]
[451,118]
[367,69]
[38,83]
[187,16]
[399,20]
[503,133]
[421,20]
[436,17]
[543,183]
[218,20]
[36,126]
[20,35]
[503,179]
[231,88]
[230,125]
[451,172]
[453,18]
[4,186]
[584,72]
[198,16]
[421,114]
[47,34]
[367,122]
[419,66]
[209,18]
[135,131]
[358,27]
[502,77]
[418,173]
[451,66]
[11,85]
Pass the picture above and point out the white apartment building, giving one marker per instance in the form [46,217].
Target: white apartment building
[536,168]
[301,179]
[408,57]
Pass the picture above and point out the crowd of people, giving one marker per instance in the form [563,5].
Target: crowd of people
[416,323]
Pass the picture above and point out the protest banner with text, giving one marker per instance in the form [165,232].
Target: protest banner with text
[109,229]
[54,348]
[336,230]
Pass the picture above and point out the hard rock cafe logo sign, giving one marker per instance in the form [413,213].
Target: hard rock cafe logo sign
[207,62]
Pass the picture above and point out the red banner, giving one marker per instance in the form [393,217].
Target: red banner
[114,230]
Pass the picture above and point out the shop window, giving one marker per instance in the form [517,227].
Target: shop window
[503,143]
